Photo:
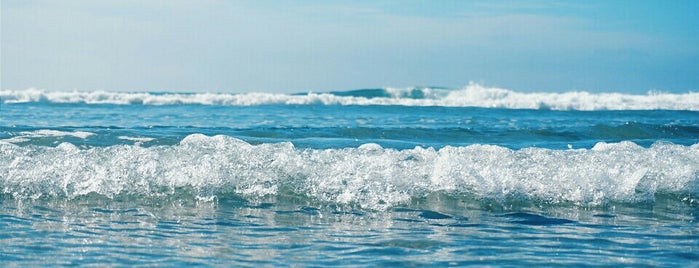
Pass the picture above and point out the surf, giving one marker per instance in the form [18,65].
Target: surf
[472,95]
[369,176]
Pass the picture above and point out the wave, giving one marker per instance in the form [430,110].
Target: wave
[368,176]
[473,95]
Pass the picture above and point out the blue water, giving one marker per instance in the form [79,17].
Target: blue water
[375,177]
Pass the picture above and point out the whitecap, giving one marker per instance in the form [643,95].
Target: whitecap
[472,95]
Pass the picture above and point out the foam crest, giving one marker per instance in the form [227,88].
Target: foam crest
[473,95]
[25,136]
[368,176]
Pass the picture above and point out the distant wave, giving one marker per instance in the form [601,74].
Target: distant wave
[473,95]
[368,176]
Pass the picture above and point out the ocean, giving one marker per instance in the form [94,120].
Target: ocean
[373,177]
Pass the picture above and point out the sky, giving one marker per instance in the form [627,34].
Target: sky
[300,46]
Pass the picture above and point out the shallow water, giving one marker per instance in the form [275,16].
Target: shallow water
[283,231]
[412,177]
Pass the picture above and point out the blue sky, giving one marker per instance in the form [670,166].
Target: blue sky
[298,46]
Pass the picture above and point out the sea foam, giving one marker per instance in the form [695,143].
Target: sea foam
[472,95]
[368,176]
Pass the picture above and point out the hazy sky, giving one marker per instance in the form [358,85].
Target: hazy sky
[299,46]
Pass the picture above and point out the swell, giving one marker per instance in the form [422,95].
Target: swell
[472,95]
[368,176]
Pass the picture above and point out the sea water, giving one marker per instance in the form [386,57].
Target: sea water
[375,177]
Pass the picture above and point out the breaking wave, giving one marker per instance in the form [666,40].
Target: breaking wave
[368,176]
[473,95]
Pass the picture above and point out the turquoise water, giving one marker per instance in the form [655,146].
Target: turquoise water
[375,177]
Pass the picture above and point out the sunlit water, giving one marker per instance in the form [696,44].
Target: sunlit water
[404,177]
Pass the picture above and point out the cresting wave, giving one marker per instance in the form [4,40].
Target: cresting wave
[369,176]
[473,95]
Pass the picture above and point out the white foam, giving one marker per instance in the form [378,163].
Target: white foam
[17,139]
[25,136]
[136,139]
[56,133]
[369,176]
[473,95]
